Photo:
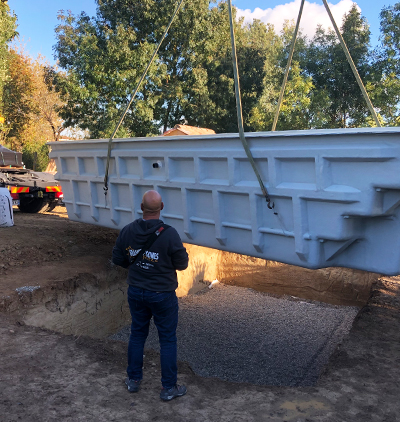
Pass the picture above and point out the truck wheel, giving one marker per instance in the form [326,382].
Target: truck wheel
[31,205]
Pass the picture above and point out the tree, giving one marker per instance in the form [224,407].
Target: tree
[191,81]
[31,106]
[385,87]
[45,98]
[338,95]
[294,112]
[104,58]
[180,55]
[214,105]
[17,106]
[210,93]
[8,31]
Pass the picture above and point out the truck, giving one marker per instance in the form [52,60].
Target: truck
[31,191]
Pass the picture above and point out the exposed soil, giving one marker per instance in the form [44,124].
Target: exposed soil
[41,248]
[47,376]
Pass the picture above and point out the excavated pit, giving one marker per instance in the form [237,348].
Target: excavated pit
[56,274]
[91,299]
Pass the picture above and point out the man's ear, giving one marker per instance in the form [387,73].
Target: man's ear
[162,206]
[141,206]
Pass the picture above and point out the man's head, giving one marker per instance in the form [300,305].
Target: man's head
[151,205]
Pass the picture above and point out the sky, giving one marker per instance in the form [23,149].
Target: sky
[37,19]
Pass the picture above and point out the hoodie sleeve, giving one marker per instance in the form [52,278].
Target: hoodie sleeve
[119,255]
[179,256]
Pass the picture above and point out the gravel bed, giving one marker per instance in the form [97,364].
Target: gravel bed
[238,334]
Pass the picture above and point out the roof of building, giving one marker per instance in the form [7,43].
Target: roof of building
[51,167]
[188,130]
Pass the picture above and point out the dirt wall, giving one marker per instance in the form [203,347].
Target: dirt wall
[338,286]
[86,304]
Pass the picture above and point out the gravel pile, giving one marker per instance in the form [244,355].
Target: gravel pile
[238,334]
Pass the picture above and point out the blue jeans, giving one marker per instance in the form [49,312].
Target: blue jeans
[163,307]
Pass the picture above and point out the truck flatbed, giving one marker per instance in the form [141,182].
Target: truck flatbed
[30,190]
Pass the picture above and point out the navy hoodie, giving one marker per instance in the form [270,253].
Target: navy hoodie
[156,268]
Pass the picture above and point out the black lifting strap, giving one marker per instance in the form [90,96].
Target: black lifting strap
[153,237]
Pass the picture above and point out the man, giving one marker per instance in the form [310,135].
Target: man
[151,293]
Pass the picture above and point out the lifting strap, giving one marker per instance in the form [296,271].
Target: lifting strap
[289,62]
[237,90]
[352,65]
[349,59]
[239,112]
[134,95]
[238,107]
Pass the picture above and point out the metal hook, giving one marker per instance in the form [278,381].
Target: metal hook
[271,207]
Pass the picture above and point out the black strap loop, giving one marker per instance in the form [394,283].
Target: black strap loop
[153,237]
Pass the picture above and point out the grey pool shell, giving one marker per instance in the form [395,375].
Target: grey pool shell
[336,192]
[238,334]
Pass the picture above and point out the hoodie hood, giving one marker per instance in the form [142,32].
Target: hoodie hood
[141,229]
[154,267]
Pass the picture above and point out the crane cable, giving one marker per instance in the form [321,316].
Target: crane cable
[288,64]
[134,95]
[239,111]
[349,59]
[237,90]
[352,65]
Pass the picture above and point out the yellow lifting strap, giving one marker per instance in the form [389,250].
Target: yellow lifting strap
[134,95]
[238,106]
[239,111]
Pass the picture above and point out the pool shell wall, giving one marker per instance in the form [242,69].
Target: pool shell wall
[94,304]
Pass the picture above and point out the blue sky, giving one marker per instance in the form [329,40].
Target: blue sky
[37,19]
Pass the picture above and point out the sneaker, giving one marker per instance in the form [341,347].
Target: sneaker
[171,393]
[133,386]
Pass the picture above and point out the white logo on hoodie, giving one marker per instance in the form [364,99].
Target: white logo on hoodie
[151,256]
[132,252]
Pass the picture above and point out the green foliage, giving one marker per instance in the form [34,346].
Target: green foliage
[294,109]
[35,156]
[192,82]
[179,55]
[8,31]
[385,88]
[17,92]
[338,94]
[104,60]
[390,39]
[30,108]
[215,106]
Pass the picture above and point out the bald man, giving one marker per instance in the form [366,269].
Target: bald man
[152,260]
